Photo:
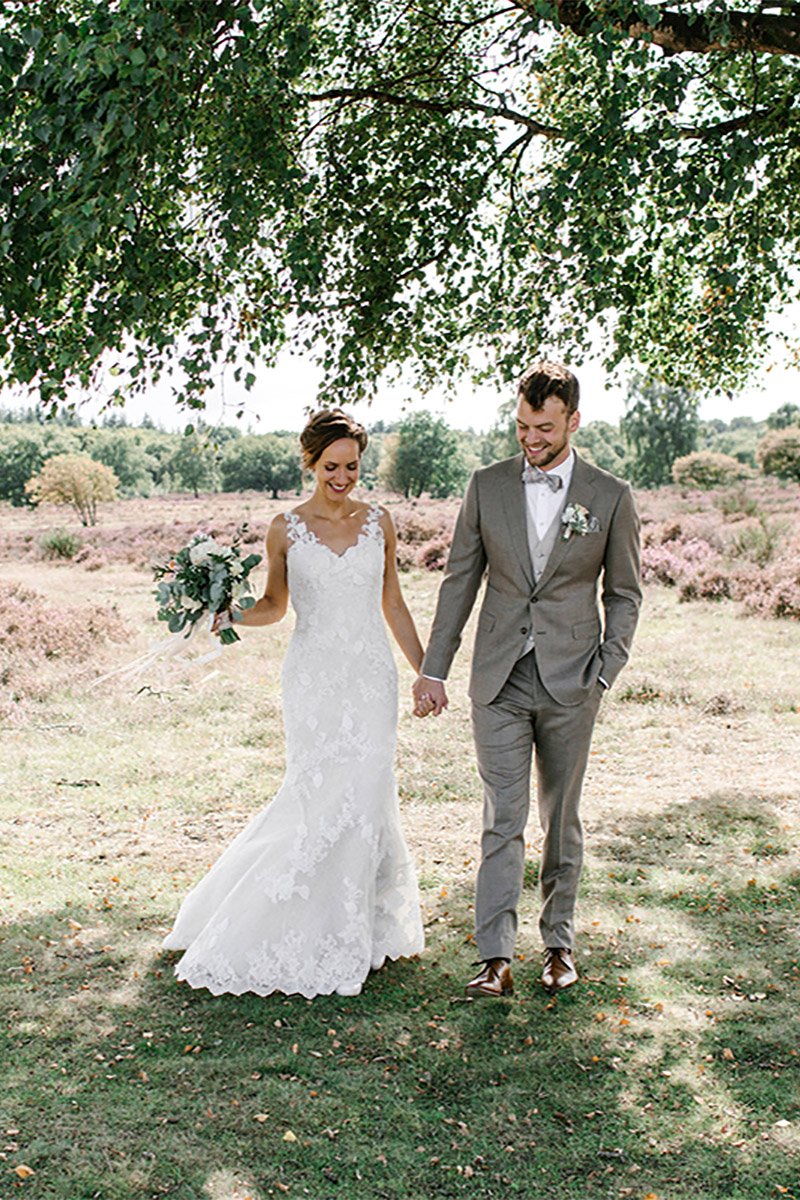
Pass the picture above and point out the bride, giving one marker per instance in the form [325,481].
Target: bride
[319,888]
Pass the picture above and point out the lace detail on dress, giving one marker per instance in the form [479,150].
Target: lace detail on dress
[319,888]
[298,531]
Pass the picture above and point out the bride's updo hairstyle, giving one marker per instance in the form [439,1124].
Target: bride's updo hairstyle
[327,426]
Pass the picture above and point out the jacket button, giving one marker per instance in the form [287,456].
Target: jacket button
[524,629]
[534,599]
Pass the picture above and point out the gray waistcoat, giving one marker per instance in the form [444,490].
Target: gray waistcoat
[540,549]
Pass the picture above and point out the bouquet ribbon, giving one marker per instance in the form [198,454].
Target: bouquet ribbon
[167,652]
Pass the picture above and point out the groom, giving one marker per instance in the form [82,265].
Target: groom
[549,531]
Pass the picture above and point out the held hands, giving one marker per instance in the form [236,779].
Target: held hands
[430,697]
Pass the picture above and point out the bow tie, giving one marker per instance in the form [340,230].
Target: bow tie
[537,475]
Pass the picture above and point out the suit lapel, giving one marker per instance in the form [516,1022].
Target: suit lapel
[581,491]
[513,497]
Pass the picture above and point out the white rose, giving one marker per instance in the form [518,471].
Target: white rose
[189,604]
[200,551]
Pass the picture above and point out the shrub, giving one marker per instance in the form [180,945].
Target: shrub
[91,559]
[704,469]
[660,564]
[776,591]
[59,543]
[417,527]
[39,644]
[406,555]
[778,453]
[759,542]
[74,479]
[681,563]
[432,556]
[709,582]
[737,502]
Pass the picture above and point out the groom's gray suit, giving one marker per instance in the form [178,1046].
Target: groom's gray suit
[547,697]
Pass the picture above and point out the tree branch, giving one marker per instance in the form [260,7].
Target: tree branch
[709,132]
[441,107]
[676,33]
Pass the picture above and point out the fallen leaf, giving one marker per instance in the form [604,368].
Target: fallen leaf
[727,1054]
[23,1171]
[262,1117]
[289,1136]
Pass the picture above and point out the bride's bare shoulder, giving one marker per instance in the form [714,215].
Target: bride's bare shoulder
[277,533]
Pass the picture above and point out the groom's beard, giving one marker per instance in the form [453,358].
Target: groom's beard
[546,455]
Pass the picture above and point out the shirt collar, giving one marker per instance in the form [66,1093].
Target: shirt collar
[564,469]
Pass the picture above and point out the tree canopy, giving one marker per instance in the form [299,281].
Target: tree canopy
[660,425]
[74,479]
[423,455]
[455,186]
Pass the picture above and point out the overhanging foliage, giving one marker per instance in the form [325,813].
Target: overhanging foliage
[189,185]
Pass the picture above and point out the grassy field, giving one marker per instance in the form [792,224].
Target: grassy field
[671,1072]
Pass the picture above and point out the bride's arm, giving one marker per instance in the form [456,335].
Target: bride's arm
[272,605]
[395,610]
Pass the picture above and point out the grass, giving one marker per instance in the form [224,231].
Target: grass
[671,1071]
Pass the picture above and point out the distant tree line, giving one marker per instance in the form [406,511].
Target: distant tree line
[650,446]
[416,455]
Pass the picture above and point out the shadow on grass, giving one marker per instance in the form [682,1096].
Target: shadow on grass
[707,896]
[667,1072]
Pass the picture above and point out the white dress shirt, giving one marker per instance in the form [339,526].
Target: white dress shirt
[543,503]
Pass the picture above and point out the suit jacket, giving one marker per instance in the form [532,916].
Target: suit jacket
[573,646]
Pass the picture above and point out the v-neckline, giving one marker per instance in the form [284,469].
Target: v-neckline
[319,542]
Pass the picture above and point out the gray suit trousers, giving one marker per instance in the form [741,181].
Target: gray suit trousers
[522,719]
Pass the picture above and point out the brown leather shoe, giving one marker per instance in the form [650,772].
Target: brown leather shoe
[559,969]
[493,980]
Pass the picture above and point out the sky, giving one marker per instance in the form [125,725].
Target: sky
[282,396]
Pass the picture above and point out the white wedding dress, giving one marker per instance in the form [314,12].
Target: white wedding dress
[319,888]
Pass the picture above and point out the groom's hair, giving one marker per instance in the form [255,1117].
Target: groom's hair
[545,379]
[328,426]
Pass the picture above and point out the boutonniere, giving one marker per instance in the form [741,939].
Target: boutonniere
[577,519]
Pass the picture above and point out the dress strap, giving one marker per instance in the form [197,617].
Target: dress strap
[372,519]
[296,529]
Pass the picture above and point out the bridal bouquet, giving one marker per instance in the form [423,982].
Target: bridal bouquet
[201,578]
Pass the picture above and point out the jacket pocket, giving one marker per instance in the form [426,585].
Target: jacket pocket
[585,630]
[486,622]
